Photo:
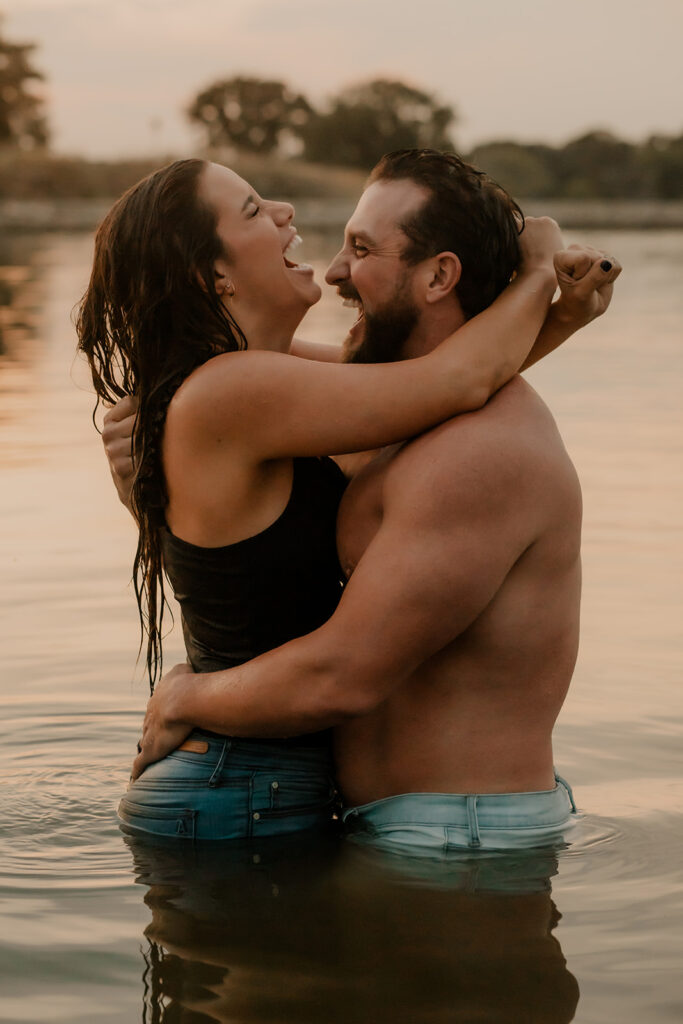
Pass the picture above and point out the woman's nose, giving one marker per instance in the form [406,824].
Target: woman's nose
[282,213]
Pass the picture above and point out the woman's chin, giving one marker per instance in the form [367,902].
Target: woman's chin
[313,293]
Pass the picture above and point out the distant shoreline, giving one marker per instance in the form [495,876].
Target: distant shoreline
[43,192]
[76,215]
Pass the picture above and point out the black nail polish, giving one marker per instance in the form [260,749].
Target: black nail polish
[605,265]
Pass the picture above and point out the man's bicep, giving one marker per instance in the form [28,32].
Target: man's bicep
[417,587]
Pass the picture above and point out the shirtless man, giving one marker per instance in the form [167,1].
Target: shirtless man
[449,657]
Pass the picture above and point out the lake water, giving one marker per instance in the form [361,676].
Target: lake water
[95,929]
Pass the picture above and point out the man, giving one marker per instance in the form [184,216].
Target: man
[449,657]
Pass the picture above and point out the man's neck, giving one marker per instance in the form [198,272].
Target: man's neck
[435,324]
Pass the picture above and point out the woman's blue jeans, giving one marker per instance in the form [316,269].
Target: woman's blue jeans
[237,789]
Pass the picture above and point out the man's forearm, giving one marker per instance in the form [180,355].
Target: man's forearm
[286,692]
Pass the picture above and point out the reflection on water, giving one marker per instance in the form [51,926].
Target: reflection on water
[373,941]
[95,927]
[18,301]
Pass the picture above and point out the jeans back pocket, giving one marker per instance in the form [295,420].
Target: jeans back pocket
[178,822]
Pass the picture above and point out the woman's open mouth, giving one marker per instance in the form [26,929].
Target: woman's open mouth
[304,268]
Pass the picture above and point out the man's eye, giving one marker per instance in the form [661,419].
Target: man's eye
[359,250]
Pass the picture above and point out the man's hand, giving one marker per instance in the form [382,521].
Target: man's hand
[586,278]
[161,732]
[117,433]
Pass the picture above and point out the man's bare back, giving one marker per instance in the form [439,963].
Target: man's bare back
[493,493]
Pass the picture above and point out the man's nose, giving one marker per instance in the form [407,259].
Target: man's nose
[338,270]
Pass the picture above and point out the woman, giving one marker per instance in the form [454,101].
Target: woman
[192,307]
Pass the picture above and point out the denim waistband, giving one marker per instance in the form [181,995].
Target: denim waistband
[472,811]
[314,739]
[245,751]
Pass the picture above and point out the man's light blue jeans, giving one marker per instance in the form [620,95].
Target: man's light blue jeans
[454,821]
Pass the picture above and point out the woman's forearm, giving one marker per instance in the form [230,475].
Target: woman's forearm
[496,343]
[556,329]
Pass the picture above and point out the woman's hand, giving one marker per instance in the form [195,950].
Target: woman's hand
[539,241]
[586,278]
[162,732]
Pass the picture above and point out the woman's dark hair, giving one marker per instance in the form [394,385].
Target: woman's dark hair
[150,316]
[466,213]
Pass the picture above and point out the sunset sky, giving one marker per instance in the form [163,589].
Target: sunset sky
[119,72]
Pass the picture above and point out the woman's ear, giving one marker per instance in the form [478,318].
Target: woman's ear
[224,285]
[444,273]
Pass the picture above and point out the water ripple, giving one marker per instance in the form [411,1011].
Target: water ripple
[59,827]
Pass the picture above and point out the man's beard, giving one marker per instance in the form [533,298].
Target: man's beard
[386,332]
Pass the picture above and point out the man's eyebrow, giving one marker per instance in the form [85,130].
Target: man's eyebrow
[363,236]
[249,199]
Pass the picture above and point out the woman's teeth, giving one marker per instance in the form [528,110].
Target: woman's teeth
[294,244]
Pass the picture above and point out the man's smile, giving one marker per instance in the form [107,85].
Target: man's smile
[351,300]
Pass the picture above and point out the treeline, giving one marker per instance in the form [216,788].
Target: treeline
[247,118]
[365,121]
[356,127]
[595,166]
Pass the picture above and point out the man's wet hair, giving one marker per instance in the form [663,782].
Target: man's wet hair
[466,213]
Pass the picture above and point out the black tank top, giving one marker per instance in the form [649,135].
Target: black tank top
[246,598]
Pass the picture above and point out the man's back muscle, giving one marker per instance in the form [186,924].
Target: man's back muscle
[487,510]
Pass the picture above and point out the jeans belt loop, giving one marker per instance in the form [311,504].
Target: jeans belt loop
[215,778]
[568,789]
[473,821]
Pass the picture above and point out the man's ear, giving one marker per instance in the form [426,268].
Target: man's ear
[444,272]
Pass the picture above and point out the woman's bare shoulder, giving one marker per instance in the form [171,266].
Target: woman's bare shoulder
[221,386]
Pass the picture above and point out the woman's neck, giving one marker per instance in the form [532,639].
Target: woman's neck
[264,333]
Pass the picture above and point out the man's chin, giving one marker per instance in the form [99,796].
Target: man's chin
[382,337]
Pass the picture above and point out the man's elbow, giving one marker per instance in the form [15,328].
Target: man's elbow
[349,689]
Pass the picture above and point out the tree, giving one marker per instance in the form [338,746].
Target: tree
[249,113]
[22,122]
[367,120]
[598,164]
[522,170]
[661,160]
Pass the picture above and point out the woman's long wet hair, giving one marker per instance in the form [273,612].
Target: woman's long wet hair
[150,316]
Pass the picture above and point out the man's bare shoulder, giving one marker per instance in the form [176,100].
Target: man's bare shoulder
[509,450]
